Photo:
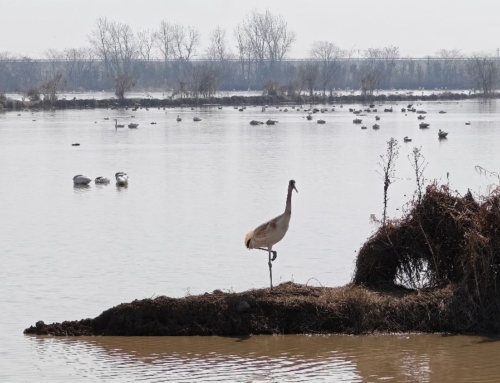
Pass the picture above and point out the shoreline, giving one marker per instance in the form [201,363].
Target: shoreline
[287,309]
[10,104]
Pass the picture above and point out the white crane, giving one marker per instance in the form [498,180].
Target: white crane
[265,236]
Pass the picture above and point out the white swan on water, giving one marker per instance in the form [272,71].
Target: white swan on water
[121,178]
[81,180]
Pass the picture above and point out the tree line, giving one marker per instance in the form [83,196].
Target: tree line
[170,58]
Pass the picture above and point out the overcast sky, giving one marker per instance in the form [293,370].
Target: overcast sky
[418,28]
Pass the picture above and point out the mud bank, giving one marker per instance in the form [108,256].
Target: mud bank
[225,101]
[288,309]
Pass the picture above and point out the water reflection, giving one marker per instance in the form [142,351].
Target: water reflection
[81,188]
[414,358]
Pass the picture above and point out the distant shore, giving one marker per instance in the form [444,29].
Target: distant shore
[10,104]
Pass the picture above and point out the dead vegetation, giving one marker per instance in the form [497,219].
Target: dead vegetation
[444,241]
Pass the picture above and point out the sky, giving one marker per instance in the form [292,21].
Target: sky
[418,28]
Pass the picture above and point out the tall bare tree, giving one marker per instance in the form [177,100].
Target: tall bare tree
[79,64]
[377,66]
[331,58]
[309,75]
[185,42]
[484,72]
[450,65]
[218,49]
[267,37]
[116,44]
[146,40]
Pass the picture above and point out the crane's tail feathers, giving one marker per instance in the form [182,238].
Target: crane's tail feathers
[248,239]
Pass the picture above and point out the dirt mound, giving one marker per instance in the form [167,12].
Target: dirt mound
[287,309]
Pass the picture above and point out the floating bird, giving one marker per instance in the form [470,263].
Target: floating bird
[121,178]
[118,126]
[270,233]
[179,119]
[101,180]
[81,180]
[133,126]
[442,134]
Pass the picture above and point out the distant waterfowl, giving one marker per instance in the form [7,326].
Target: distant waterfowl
[265,236]
[220,107]
[320,121]
[75,144]
[376,126]
[364,127]
[467,123]
[271,122]
[377,118]
[421,112]
[118,126]
[255,122]
[357,121]
[196,119]
[179,119]
[442,112]
[101,180]
[407,139]
[133,126]
[106,118]
[153,123]
[81,180]
[420,117]
[442,134]
[121,178]
[309,117]
[423,125]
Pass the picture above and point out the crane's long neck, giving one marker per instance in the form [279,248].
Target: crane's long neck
[288,209]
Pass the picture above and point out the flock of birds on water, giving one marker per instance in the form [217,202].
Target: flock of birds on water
[121,179]
[410,108]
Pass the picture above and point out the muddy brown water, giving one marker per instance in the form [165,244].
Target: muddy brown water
[195,189]
[394,358]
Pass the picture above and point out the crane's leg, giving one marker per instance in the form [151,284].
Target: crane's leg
[270,269]
[275,253]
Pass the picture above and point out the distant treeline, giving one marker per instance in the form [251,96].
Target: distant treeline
[288,75]
[169,58]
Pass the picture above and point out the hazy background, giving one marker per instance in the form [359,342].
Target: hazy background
[419,29]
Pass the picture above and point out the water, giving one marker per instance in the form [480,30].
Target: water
[195,189]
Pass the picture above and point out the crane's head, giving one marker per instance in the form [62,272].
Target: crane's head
[291,185]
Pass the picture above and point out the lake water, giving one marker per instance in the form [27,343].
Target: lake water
[195,189]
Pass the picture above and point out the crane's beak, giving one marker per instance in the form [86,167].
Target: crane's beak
[295,188]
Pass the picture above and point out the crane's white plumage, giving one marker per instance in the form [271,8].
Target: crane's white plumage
[265,236]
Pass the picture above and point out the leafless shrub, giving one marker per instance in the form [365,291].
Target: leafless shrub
[388,173]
